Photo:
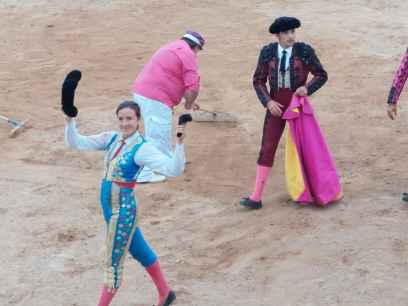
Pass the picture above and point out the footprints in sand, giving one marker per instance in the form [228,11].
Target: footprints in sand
[387,212]
[72,235]
[160,197]
[65,263]
[48,237]
[59,157]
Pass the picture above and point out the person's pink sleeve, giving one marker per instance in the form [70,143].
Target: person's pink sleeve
[191,76]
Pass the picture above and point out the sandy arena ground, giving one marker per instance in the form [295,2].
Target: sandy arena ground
[215,253]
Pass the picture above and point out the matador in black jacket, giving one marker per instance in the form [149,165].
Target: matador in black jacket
[285,66]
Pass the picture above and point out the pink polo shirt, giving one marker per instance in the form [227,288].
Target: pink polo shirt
[171,71]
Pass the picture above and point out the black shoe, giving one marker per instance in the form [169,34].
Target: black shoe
[405,196]
[247,202]
[170,298]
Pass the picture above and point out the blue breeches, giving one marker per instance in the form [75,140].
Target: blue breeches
[120,211]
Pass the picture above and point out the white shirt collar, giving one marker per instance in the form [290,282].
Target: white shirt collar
[288,51]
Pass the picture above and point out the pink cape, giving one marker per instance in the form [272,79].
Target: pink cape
[311,174]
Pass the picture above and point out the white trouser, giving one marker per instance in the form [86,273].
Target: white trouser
[157,119]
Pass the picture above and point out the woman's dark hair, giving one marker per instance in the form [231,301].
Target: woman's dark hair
[129,104]
[191,43]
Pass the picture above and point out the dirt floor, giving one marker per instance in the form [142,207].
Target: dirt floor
[214,253]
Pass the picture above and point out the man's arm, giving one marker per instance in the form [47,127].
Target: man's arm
[190,96]
[317,70]
[399,80]
[261,77]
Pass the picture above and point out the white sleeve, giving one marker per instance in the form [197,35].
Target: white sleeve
[77,141]
[149,156]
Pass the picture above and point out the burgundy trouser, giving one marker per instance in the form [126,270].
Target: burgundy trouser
[273,129]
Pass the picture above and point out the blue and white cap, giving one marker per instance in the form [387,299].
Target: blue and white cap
[195,37]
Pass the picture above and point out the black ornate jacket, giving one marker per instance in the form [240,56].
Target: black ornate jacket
[302,61]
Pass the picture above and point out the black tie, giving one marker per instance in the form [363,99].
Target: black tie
[282,68]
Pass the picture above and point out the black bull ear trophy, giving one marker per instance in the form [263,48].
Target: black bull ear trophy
[183,119]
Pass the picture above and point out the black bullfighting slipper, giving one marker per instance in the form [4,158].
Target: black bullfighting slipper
[247,202]
[170,298]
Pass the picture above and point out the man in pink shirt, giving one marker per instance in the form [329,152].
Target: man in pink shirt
[170,75]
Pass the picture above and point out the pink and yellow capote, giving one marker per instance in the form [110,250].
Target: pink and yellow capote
[311,174]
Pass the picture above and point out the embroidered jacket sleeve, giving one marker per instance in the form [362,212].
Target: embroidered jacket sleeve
[317,70]
[80,142]
[149,156]
[399,80]
[261,77]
